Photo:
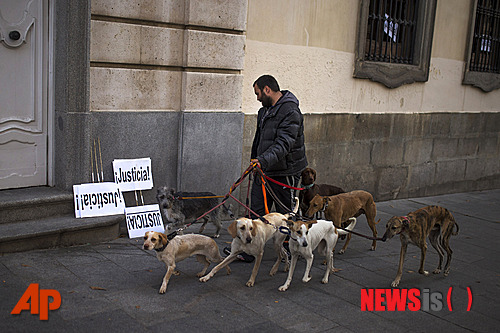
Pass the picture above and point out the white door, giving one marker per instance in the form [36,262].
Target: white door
[23,93]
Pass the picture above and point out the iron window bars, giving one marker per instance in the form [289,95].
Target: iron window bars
[394,41]
[485,43]
[391,32]
[482,68]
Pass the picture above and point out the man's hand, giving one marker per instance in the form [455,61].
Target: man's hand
[255,161]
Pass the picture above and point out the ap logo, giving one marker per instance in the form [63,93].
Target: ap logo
[39,301]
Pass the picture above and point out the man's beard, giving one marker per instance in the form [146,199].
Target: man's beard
[266,100]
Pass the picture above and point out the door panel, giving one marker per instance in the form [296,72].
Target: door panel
[23,93]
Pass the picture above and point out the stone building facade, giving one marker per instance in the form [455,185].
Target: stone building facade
[172,80]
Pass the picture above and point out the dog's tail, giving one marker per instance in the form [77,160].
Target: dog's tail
[295,209]
[348,228]
[455,224]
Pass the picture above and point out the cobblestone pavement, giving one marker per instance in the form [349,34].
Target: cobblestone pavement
[113,286]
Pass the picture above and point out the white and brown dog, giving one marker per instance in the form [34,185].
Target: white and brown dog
[305,237]
[178,248]
[250,236]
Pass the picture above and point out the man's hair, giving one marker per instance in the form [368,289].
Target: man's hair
[267,80]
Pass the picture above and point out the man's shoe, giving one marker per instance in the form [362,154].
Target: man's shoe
[245,257]
[242,256]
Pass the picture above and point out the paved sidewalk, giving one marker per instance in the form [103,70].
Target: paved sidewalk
[114,286]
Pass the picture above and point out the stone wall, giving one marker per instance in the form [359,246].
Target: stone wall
[165,83]
[164,78]
[420,139]
[401,155]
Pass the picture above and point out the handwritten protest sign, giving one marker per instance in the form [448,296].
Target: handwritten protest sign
[141,219]
[133,174]
[98,199]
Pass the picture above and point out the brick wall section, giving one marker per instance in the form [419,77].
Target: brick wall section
[404,154]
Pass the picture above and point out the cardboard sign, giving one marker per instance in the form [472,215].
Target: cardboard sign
[131,175]
[141,219]
[98,199]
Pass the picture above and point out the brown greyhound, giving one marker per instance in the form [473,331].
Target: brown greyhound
[339,208]
[434,222]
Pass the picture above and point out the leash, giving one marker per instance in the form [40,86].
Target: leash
[262,218]
[206,197]
[286,231]
[263,184]
[226,197]
[202,216]
[269,188]
[274,196]
[361,235]
[282,184]
[282,229]
[351,231]
[247,200]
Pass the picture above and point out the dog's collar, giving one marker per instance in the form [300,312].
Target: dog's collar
[306,187]
[286,231]
[325,206]
[170,236]
[406,221]
[162,248]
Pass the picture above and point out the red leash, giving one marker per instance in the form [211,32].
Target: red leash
[282,184]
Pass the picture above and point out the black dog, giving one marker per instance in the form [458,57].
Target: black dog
[177,209]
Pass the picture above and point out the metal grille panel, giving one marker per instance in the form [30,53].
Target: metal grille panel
[485,43]
[391,32]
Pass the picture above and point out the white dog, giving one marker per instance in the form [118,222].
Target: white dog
[305,237]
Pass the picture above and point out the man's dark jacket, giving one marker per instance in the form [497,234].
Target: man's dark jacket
[279,139]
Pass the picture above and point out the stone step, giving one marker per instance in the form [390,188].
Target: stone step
[57,231]
[34,203]
[44,217]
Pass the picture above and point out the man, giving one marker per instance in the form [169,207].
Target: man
[278,146]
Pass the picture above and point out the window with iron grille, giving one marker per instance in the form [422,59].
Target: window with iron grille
[394,41]
[391,31]
[483,56]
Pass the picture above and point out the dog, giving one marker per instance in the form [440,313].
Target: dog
[338,208]
[176,212]
[434,222]
[250,236]
[308,179]
[171,251]
[305,237]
